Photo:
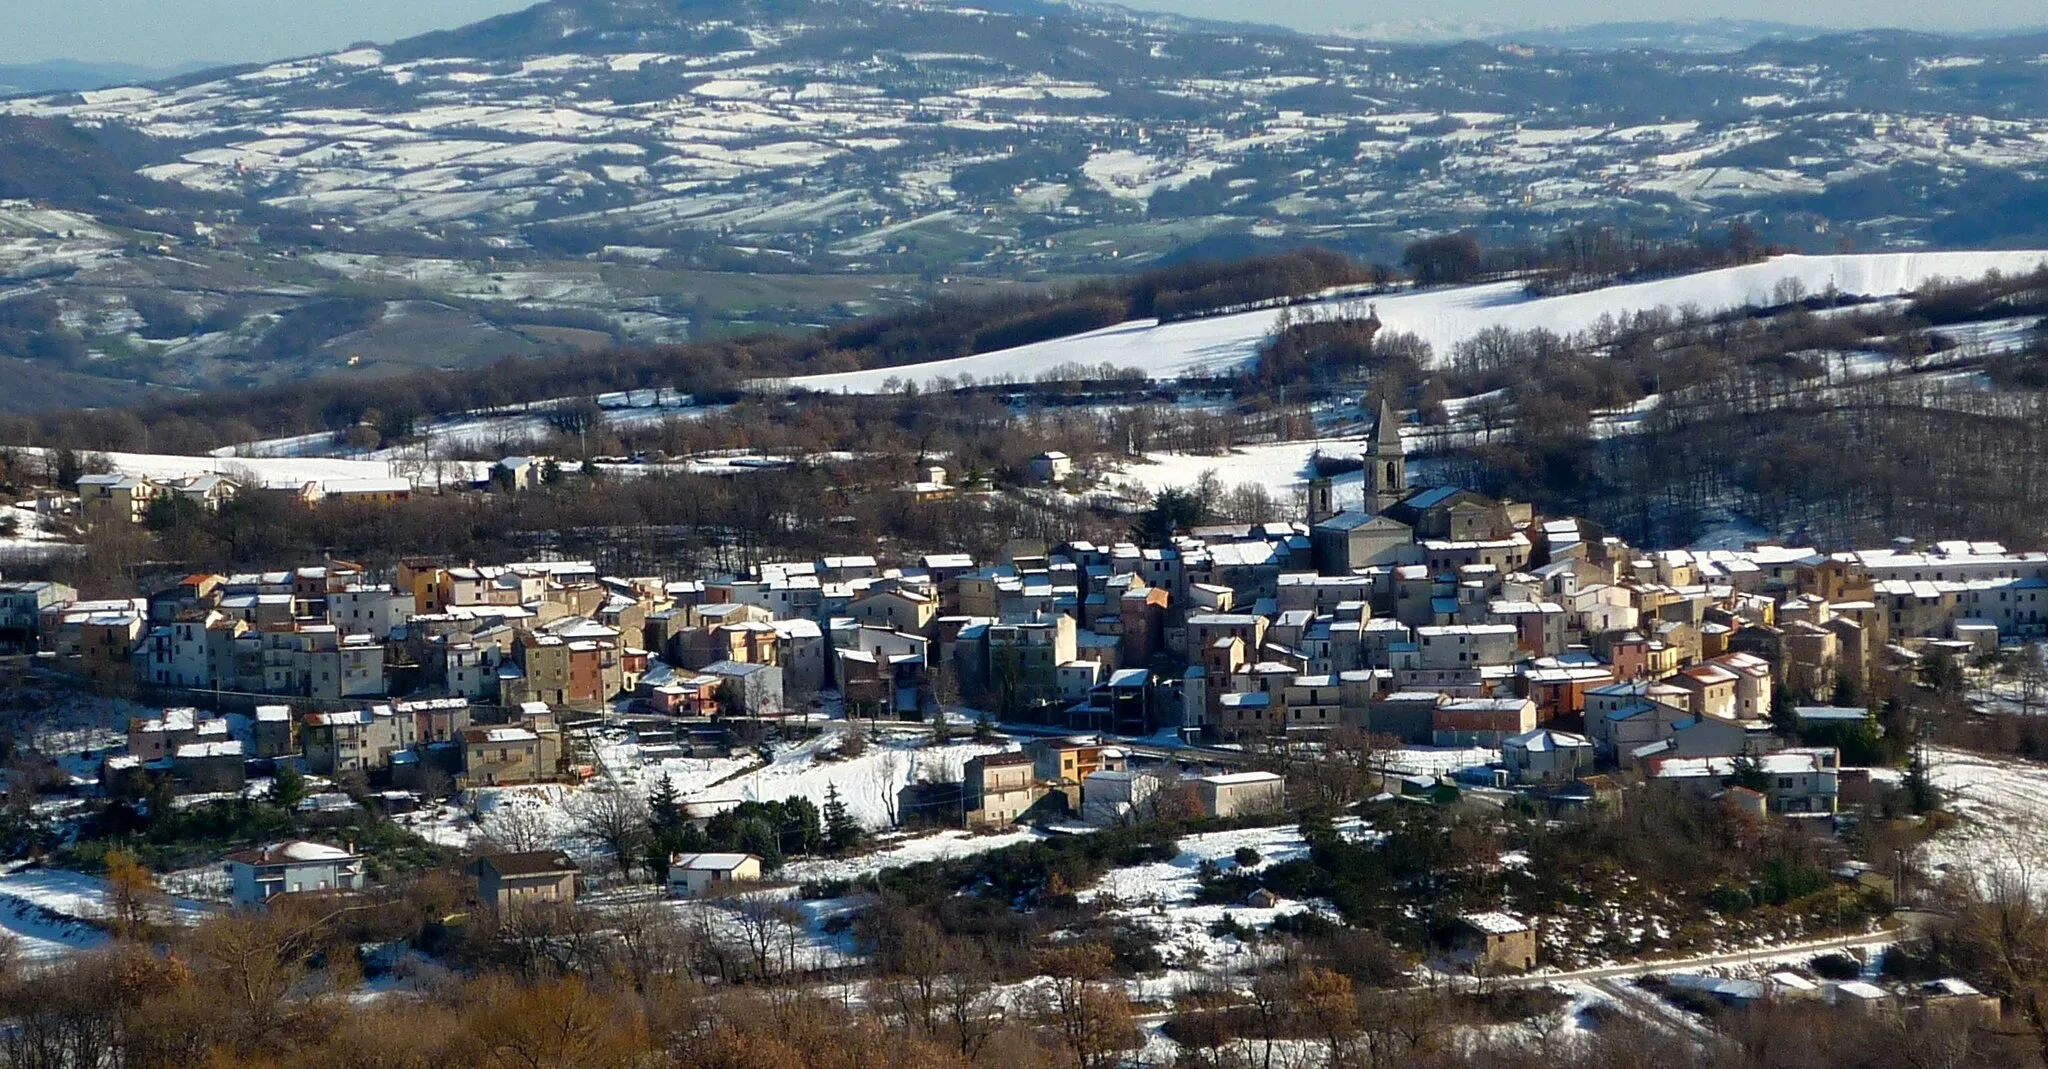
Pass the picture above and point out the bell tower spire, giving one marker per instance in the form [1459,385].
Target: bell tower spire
[1386,462]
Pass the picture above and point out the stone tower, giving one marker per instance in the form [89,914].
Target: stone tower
[1386,462]
[1322,499]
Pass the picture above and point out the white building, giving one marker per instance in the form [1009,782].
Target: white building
[368,610]
[1241,792]
[290,867]
[695,875]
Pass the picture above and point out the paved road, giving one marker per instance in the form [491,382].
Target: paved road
[1743,957]
[1645,968]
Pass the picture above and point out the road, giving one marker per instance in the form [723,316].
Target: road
[1600,976]
[1741,957]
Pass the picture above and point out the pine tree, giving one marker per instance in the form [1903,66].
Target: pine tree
[1920,792]
[984,728]
[289,788]
[842,832]
[664,808]
[1784,714]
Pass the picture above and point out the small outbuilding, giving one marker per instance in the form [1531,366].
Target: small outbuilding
[696,875]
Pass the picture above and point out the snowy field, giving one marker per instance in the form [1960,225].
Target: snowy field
[32,535]
[1443,317]
[867,784]
[1436,761]
[939,846]
[812,769]
[1280,467]
[51,912]
[1161,896]
[287,471]
[1999,839]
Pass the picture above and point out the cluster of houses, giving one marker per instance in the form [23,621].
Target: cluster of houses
[1089,777]
[1434,616]
[503,882]
[402,743]
[126,497]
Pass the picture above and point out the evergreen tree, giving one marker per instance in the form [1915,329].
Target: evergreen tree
[664,808]
[1846,693]
[1747,772]
[984,728]
[1784,720]
[798,826]
[842,832]
[289,788]
[758,837]
[1920,792]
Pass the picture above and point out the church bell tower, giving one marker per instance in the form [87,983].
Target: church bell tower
[1386,462]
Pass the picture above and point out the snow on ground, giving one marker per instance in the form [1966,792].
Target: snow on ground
[32,533]
[1993,337]
[1443,317]
[513,427]
[1434,761]
[941,846]
[52,911]
[286,471]
[1732,533]
[625,763]
[1280,467]
[40,935]
[2002,806]
[867,784]
[1160,896]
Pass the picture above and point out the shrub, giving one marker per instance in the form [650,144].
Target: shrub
[1835,967]
[1726,899]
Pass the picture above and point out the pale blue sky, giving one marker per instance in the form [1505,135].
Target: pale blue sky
[171,32]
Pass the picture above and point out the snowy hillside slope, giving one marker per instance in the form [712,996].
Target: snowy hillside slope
[286,471]
[1442,317]
[1996,845]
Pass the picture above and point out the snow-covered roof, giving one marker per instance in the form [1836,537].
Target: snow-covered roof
[1494,923]
[291,851]
[367,486]
[1544,740]
[1238,779]
[710,862]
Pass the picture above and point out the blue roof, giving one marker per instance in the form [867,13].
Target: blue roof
[1432,498]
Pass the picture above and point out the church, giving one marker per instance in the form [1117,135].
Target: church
[1393,523]
[1343,542]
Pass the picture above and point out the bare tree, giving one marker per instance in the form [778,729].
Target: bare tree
[892,769]
[516,828]
[650,944]
[615,819]
[1091,1017]
[766,932]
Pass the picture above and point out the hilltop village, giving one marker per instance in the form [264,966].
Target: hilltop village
[1428,618]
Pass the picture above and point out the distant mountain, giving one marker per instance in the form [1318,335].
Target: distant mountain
[591,171]
[1702,37]
[64,75]
[1427,30]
